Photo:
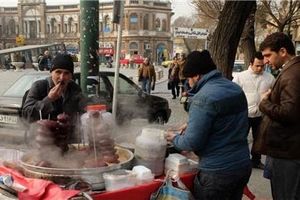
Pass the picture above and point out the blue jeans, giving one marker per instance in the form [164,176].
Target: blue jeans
[146,85]
[227,185]
[285,179]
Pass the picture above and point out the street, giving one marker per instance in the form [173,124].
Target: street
[257,184]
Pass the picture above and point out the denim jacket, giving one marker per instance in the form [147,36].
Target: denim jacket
[217,125]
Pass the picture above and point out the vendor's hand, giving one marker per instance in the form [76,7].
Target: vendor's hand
[182,128]
[170,135]
[266,95]
[56,92]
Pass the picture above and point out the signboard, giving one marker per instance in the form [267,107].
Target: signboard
[20,40]
[104,51]
[192,33]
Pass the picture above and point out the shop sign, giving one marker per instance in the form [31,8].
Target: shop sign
[192,33]
[106,51]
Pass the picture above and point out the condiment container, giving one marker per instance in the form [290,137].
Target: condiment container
[143,174]
[119,179]
[150,150]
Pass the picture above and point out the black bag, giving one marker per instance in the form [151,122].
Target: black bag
[170,85]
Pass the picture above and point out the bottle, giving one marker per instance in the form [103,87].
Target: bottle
[96,115]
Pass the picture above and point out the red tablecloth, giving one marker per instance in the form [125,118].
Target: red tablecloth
[141,192]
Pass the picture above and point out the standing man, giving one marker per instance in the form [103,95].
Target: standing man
[216,131]
[254,82]
[279,135]
[45,62]
[181,63]
[147,76]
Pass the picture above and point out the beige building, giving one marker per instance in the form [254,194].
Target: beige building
[146,26]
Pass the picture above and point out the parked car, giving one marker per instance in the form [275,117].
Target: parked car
[132,102]
[238,66]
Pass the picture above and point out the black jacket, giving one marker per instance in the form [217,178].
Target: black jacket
[37,100]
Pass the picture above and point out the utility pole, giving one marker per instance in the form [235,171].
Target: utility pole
[118,19]
[89,40]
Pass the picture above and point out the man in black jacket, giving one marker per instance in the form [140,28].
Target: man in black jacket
[56,94]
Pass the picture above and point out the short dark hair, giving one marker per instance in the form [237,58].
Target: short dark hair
[258,55]
[276,41]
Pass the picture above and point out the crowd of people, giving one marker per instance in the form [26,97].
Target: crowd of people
[222,112]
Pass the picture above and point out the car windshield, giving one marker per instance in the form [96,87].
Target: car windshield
[238,66]
[22,85]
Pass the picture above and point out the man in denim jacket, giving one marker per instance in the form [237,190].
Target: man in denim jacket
[216,131]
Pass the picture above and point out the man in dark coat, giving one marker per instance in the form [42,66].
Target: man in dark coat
[56,94]
[279,135]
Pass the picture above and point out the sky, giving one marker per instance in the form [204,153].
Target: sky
[180,7]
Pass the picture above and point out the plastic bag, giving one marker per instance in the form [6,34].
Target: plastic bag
[168,190]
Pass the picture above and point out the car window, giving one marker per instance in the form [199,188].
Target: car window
[238,66]
[124,86]
[23,84]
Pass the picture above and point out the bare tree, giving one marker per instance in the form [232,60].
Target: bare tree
[211,10]
[247,42]
[227,35]
[282,14]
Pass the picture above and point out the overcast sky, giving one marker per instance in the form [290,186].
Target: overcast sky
[180,7]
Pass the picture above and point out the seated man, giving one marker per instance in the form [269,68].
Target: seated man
[56,94]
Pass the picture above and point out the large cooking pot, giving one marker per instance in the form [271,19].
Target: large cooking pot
[63,176]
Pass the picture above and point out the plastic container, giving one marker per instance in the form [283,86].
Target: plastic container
[150,150]
[90,118]
[177,163]
[119,179]
[143,174]
[10,155]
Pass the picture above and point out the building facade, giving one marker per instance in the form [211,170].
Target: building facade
[146,26]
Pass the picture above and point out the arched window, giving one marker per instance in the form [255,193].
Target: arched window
[146,22]
[107,24]
[157,24]
[133,45]
[12,26]
[164,25]
[48,28]
[53,28]
[133,21]
[65,28]
[70,23]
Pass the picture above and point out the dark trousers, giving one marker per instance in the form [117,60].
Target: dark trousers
[211,185]
[182,81]
[175,88]
[285,179]
[254,124]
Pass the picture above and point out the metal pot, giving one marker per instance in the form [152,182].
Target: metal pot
[63,176]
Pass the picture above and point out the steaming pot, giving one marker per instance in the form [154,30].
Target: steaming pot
[62,176]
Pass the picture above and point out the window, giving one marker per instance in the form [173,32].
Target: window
[133,19]
[146,22]
[124,86]
[107,24]
[12,27]
[164,25]
[157,24]
[70,24]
